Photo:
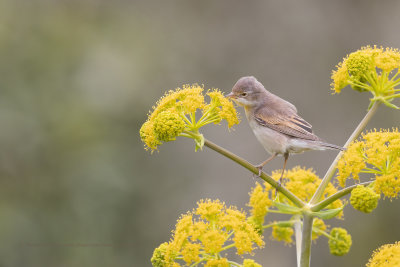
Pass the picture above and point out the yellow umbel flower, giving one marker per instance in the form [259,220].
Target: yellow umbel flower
[187,100]
[202,235]
[304,182]
[364,199]
[339,241]
[259,202]
[148,136]
[190,98]
[340,77]
[232,219]
[358,64]
[223,262]
[282,233]
[370,69]
[386,256]
[168,125]
[209,209]
[245,234]
[225,107]
[250,263]
[158,258]
[377,153]
[212,241]
[190,253]
[351,163]
[175,115]
[388,59]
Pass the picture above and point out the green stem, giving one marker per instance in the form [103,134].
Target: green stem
[234,263]
[193,118]
[228,246]
[207,120]
[279,223]
[336,196]
[183,116]
[394,76]
[279,212]
[305,255]
[331,171]
[198,262]
[372,79]
[390,97]
[383,80]
[298,237]
[392,84]
[191,134]
[322,233]
[362,85]
[296,201]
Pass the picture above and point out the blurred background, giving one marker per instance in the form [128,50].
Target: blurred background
[77,79]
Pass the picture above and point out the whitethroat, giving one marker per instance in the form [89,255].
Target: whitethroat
[275,122]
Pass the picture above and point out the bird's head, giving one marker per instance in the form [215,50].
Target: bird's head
[247,92]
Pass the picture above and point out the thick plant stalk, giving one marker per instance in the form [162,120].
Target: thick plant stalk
[305,256]
[297,231]
[331,171]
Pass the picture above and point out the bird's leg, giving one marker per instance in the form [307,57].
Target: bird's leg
[286,156]
[260,166]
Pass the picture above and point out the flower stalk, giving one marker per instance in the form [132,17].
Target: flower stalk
[305,256]
[331,171]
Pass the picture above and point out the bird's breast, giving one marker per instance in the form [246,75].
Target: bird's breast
[271,140]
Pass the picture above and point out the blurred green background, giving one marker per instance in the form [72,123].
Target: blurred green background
[77,79]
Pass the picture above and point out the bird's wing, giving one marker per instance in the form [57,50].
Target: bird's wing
[288,123]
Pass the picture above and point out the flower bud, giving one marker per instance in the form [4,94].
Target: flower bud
[339,241]
[364,199]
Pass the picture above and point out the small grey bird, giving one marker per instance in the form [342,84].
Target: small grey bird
[275,122]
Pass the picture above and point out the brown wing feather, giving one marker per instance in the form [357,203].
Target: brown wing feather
[286,122]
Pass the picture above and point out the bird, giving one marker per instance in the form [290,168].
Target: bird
[275,122]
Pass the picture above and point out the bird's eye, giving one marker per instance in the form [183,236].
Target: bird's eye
[243,94]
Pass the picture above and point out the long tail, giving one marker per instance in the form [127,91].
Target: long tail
[330,146]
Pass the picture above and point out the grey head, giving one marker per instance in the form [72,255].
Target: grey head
[248,91]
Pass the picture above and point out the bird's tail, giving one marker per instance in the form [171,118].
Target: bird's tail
[331,146]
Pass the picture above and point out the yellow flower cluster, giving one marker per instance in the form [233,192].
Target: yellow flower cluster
[250,263]
[339,241]
[282,233]
[259,203]
[376,153]
[364,199]
[222,107]
[201,235]
[304,182]
[386,256]
[175,115]
[351,163]
[222,262]
[168,125]
[373,69]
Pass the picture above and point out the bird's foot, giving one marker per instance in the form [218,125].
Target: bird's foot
[259,167]
[277,188]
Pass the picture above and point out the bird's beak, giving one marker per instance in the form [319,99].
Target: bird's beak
[231,95]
